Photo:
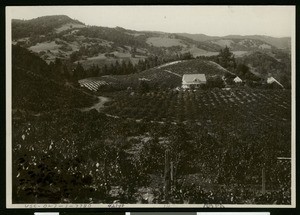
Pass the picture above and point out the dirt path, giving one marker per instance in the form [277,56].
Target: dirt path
[173,73]
[98,106]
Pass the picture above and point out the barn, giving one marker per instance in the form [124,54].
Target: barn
[193,80]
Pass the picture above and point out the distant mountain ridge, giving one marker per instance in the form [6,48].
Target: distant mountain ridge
[61,37]
[280,43]
[50,23]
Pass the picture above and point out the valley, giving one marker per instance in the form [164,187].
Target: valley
[105,111]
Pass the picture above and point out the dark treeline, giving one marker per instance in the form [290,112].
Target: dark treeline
[65,70]
[76,71]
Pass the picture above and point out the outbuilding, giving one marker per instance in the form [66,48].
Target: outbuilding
[237,79]
[272,80]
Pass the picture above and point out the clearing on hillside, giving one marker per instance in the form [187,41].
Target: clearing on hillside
[164,42]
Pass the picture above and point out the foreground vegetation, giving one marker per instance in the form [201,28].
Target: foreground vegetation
[218,150]
[219,141]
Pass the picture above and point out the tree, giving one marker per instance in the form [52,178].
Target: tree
[123,69]
[143,87]
[66,72]
[117,68]
[226,59]
[242,69]
[78,72]
[216,82]
[186,56]
[105,70]
[130,67]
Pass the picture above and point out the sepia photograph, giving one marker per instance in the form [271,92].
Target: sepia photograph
[150,106]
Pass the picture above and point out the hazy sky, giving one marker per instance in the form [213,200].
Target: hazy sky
[275,21]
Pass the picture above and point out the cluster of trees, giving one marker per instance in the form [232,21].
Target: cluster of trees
[227,60]
[278,66]
[263,64]
[124,67]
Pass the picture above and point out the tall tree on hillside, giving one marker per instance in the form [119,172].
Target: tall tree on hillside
[242,70]
[141,66]
[123,69]
[105,70]
[66,72]
[93,71]
[226,59]
[130,67]
[78,72]
[117,68]
[56,69]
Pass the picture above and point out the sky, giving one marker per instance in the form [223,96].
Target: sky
[277,21]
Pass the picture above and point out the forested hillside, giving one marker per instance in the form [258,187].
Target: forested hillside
[40,26]
[277,65]
[35,88]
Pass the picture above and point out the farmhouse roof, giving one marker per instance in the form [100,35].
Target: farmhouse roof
[192,78]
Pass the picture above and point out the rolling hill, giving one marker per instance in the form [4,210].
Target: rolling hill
[164,76]
[52,37]
[43,26]
[280,43]
[269,64]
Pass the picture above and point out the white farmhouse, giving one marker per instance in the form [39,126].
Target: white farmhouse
[237,79]
[193,80]
[272,80]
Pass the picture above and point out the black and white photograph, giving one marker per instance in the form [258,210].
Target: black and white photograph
[150,106]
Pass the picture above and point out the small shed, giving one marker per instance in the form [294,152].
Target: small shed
[272,80]
[193,80]
[237,79]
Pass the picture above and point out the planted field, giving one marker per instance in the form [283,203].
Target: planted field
[102,60]
[157,78]
[92,84]
[45,47]
[219,137]
[168,75]
[226,106]
[219,141]
[195,51]
[208,68]
[164,42]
